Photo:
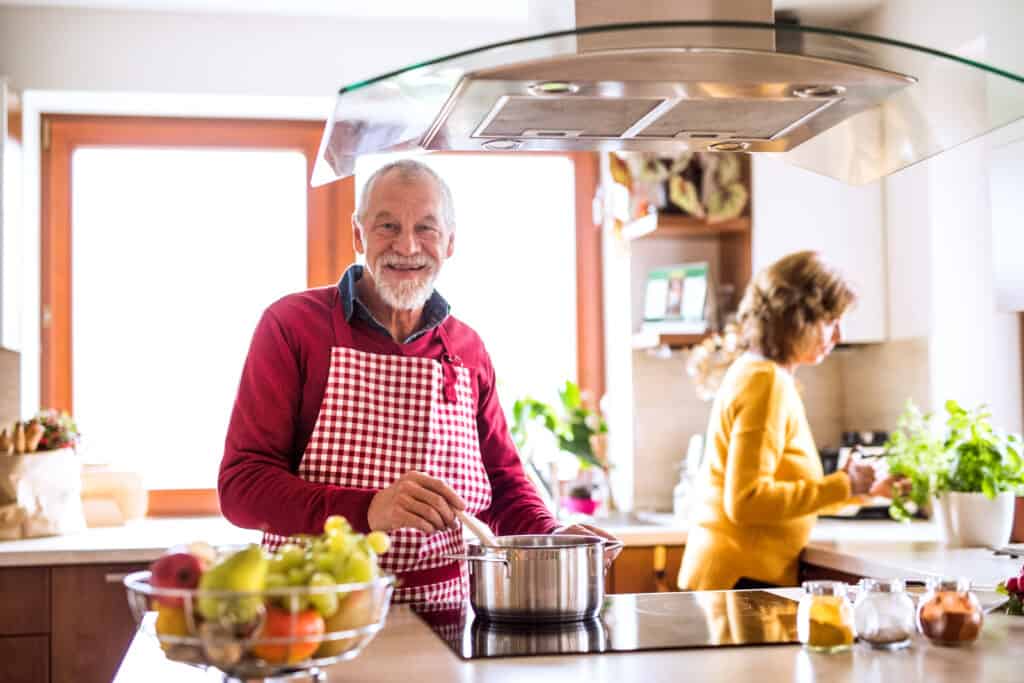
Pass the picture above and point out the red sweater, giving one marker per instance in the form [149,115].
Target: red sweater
[279,398]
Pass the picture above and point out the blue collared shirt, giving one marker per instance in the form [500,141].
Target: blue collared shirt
[435,311]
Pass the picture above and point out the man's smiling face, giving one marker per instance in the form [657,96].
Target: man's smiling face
[404,238]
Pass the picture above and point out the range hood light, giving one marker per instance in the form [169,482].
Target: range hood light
[729,146]
[502,145]
[553,88]
[819,91]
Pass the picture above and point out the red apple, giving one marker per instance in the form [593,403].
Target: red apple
[175,570]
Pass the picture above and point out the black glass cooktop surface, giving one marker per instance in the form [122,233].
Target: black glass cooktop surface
[628,623]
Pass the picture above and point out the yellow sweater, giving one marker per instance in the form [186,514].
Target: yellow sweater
[761,483]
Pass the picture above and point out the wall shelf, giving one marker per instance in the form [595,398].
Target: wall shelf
[652,340]
[672,225]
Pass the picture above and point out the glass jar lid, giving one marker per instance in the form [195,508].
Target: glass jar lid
[947,583]
[882,585]
[825,588]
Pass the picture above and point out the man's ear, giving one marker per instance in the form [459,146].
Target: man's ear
[451,245]
[357,236]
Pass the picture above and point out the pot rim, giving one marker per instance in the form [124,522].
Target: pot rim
[540,542]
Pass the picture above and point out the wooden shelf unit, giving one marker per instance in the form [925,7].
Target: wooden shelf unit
[674,225]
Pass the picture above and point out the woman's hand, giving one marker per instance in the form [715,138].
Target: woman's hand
[862,475]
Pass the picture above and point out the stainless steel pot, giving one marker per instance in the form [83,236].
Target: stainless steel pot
[533,578]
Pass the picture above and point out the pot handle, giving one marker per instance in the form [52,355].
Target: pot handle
[612,545]
[477,558]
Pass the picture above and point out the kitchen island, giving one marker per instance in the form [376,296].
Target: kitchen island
[406,649]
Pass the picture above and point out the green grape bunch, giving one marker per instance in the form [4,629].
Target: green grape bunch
[338,556]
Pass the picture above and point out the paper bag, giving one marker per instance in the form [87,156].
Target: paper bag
[40,494]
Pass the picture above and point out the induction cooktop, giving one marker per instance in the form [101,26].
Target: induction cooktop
[628,623]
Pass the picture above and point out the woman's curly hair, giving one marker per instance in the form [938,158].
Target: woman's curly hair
[785,301]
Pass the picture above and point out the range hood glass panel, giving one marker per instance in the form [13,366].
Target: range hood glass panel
[948,100]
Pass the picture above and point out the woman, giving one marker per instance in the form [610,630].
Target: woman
[761,483]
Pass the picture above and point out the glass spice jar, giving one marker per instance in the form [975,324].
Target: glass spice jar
[824,619]
[883,613]
[949,613]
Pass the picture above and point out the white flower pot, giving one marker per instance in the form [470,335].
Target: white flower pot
[970,520]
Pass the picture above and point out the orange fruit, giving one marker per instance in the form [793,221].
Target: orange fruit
[304,630]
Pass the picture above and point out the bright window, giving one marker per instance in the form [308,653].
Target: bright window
[176,253]
[512,277]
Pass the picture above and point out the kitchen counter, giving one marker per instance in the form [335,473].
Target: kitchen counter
[137,541]
[146,539]
[914,560]
[407,647]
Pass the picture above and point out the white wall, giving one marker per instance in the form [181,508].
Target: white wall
[939,226]
[108,50]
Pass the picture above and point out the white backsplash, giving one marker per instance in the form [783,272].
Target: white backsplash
[863,387]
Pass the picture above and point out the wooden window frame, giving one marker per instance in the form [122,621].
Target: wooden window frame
[328,235]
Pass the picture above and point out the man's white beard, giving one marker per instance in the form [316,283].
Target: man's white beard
[406,295]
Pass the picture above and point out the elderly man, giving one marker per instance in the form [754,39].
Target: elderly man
[371,401]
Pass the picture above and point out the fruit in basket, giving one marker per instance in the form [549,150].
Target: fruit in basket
[179,570]
[305,630]
[170,621]
[356,611]
[244,570]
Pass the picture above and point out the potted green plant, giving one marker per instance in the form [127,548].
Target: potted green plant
[965,470]
[577,430]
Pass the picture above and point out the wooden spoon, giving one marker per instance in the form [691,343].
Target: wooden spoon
[478,529]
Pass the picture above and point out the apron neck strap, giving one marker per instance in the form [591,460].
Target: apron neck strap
[449,361]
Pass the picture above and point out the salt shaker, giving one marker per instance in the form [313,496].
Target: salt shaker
[884,614]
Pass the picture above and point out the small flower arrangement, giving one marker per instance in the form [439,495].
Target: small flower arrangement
[59,430]
[1013,588]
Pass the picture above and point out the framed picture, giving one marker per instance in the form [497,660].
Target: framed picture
[675,298]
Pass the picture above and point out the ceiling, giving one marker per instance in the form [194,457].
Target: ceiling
[824,12]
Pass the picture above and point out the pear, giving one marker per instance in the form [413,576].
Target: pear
[244,570]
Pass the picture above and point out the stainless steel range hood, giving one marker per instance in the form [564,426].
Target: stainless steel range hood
[848,105]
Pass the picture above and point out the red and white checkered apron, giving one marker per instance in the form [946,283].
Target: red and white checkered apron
[384,415]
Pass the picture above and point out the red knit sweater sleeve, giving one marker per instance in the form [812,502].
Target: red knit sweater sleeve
[257,484]
[515,506]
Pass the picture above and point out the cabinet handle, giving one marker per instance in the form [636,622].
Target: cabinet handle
[660,561]
[116,578]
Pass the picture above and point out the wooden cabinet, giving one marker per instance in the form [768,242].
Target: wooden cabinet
[25,625]
[797,210]
[26,659]
[645,569]
[92,623]
[64,623]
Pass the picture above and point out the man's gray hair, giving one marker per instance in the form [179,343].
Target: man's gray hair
[411,170]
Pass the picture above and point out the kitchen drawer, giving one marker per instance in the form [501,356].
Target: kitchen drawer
[92,623]
[25,659]
[646,569]
[24,601]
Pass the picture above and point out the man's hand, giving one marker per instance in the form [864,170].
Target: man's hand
[610,553]
[416,501]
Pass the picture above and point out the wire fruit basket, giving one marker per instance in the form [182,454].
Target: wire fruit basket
[260,634]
